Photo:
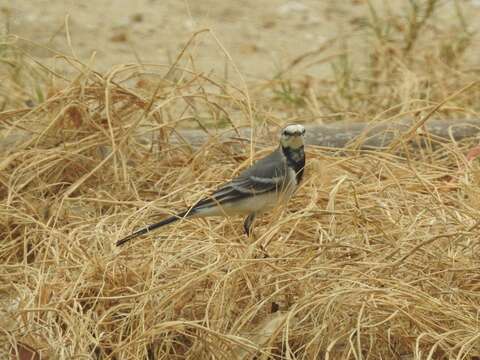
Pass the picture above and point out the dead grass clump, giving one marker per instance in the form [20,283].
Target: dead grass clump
[375,257]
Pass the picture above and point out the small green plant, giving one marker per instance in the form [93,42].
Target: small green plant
[286,92]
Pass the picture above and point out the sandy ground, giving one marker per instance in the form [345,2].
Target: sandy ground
[261,37]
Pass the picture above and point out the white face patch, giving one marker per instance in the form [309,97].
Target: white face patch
[292,136]
[295,128]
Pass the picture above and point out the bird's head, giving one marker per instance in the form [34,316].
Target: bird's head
[292,136]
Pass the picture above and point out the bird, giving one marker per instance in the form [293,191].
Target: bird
[261,187]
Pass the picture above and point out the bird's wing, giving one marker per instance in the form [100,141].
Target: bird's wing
[267,174]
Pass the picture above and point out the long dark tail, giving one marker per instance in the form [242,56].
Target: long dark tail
[151,227]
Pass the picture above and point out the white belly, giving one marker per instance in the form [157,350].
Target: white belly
[255,204]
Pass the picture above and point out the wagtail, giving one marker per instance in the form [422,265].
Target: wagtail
[269,182]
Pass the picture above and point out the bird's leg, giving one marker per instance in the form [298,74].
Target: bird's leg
[247,225]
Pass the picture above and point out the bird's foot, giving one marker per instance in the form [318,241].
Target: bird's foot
[264,251]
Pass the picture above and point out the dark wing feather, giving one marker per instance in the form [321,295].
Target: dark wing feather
[267,174]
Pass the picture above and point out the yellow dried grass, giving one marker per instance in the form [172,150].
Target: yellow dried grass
[376,256]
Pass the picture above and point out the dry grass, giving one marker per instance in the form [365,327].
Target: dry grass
[376,257]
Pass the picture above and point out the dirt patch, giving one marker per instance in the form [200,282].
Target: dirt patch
[260,37]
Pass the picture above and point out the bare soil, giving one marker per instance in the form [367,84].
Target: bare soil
[261,37]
